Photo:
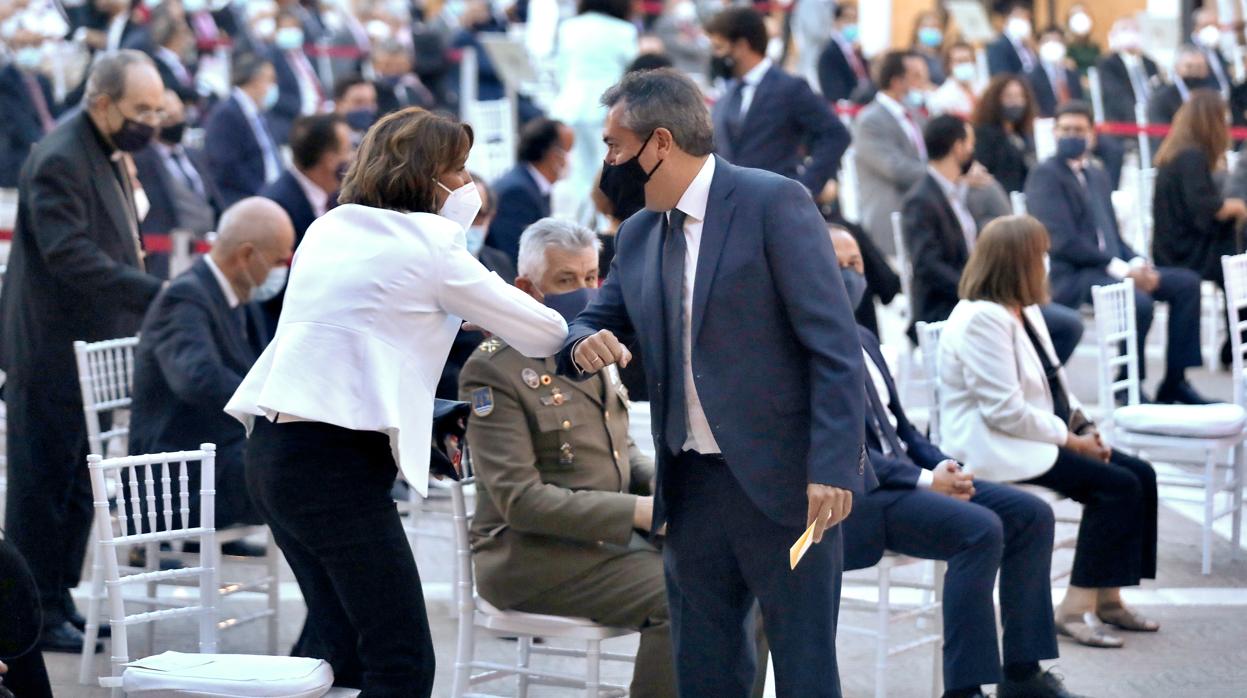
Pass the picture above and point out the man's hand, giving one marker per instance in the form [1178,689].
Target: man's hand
[1146,278]
[828,507]
[830,191]
[978,176]
[1088,445]
[643,513]
[597,351]
[950,480]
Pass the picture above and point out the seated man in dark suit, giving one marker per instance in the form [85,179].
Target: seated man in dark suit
[320,148]
[939,231]
[172,40]
[842,68]
[396,84]
[769,119]
[240,150]
[926,506]
[1191,72]
[1012,51]
[27,104]
[1071,197]
[524,193]
[199,338]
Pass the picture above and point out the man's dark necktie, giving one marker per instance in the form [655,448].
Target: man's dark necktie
[1099,214]
[879,418]
[734,119]
[673,251]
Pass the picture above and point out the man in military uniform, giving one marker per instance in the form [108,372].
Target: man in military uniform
[563,494]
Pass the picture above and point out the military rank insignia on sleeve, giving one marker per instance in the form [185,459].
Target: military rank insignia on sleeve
[482,401]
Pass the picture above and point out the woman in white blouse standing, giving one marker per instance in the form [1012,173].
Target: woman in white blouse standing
[342,398]
[1006,411]
[593,49]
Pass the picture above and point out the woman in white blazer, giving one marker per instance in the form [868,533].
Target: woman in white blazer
[593,49]
[1006,411]
[342,398]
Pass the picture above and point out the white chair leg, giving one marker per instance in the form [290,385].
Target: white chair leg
[884,621]
[593,668]
[272,557]
[86,665]
[464,656]
[524,648]
[937,648]
[153,565]
[1240,469]
[1210,499]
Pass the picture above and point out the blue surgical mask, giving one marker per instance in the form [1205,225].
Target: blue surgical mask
[289,38]
[270,97]
[570,304]
[851,33]
[361,119]
[1071,147]
[931,37]
[475,239]
[855,284]
[914,99]
[28,57]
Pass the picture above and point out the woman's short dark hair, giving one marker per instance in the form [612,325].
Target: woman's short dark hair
[402,156]
[1006,266]
[619,9]
[990,110]
[740,23]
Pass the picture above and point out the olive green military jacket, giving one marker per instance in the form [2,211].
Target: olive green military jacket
[556,473]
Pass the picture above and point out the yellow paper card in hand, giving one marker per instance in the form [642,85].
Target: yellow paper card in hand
[797,551]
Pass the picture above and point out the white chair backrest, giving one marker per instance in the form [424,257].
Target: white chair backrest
[1017,201]
[153,507]
[1116,335]
[465,581]
[929,343]
[493,151]
[906,268]
[106,378]
[1235,268]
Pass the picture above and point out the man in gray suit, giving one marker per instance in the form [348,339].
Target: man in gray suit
[891,157]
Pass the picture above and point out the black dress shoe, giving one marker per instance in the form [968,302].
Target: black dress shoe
[77,620]
[63,638]
[1181,393]
[242,548]
[1041,684]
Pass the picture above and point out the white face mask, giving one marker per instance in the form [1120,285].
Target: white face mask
[1052,52]
[965,72]
[462,205]
[141,204]
[272,285]
[1018,28]
[1080,23]
[1047,265]
[1209,36]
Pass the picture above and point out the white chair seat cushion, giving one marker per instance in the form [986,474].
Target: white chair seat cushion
[491,617]
[179,675]
[1192,421]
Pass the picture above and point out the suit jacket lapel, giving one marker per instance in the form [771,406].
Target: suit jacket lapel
[950,221]
[107,185]
[722,134]
[761,95]
[719,209]
[651,289]
[236,343]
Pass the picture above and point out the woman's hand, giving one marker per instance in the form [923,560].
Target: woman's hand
[1088,445]
[1232,208]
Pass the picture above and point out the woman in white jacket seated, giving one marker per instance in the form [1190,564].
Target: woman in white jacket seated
[1005,408]
[342,398]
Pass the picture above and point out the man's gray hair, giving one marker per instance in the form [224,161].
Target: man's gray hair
[108,75]
[551,232]
[664,98]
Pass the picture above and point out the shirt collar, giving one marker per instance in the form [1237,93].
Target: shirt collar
[894,107]
[248,106]
[317,197]
[543,185]
[755,75]
[953,190]
[230,297]
[693,203]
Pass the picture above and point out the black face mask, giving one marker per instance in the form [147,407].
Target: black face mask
[173,134]
[1013,113]
[570,304]
[624,183]
[722,67]
[133,135]
[965,166]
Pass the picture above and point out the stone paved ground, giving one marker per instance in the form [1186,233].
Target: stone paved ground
[1201,651]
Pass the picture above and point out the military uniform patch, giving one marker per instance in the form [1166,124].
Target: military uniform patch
[491,345]
[482,401]
[530,378]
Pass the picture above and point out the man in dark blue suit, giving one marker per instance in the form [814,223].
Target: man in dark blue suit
[1072,198]
[524,192]
[199,338]
[28,108]
[320,147]
[754,373]
[240,150]
[767,118]
[842,69]
[927,507]
[1053,81]
[1012,51]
